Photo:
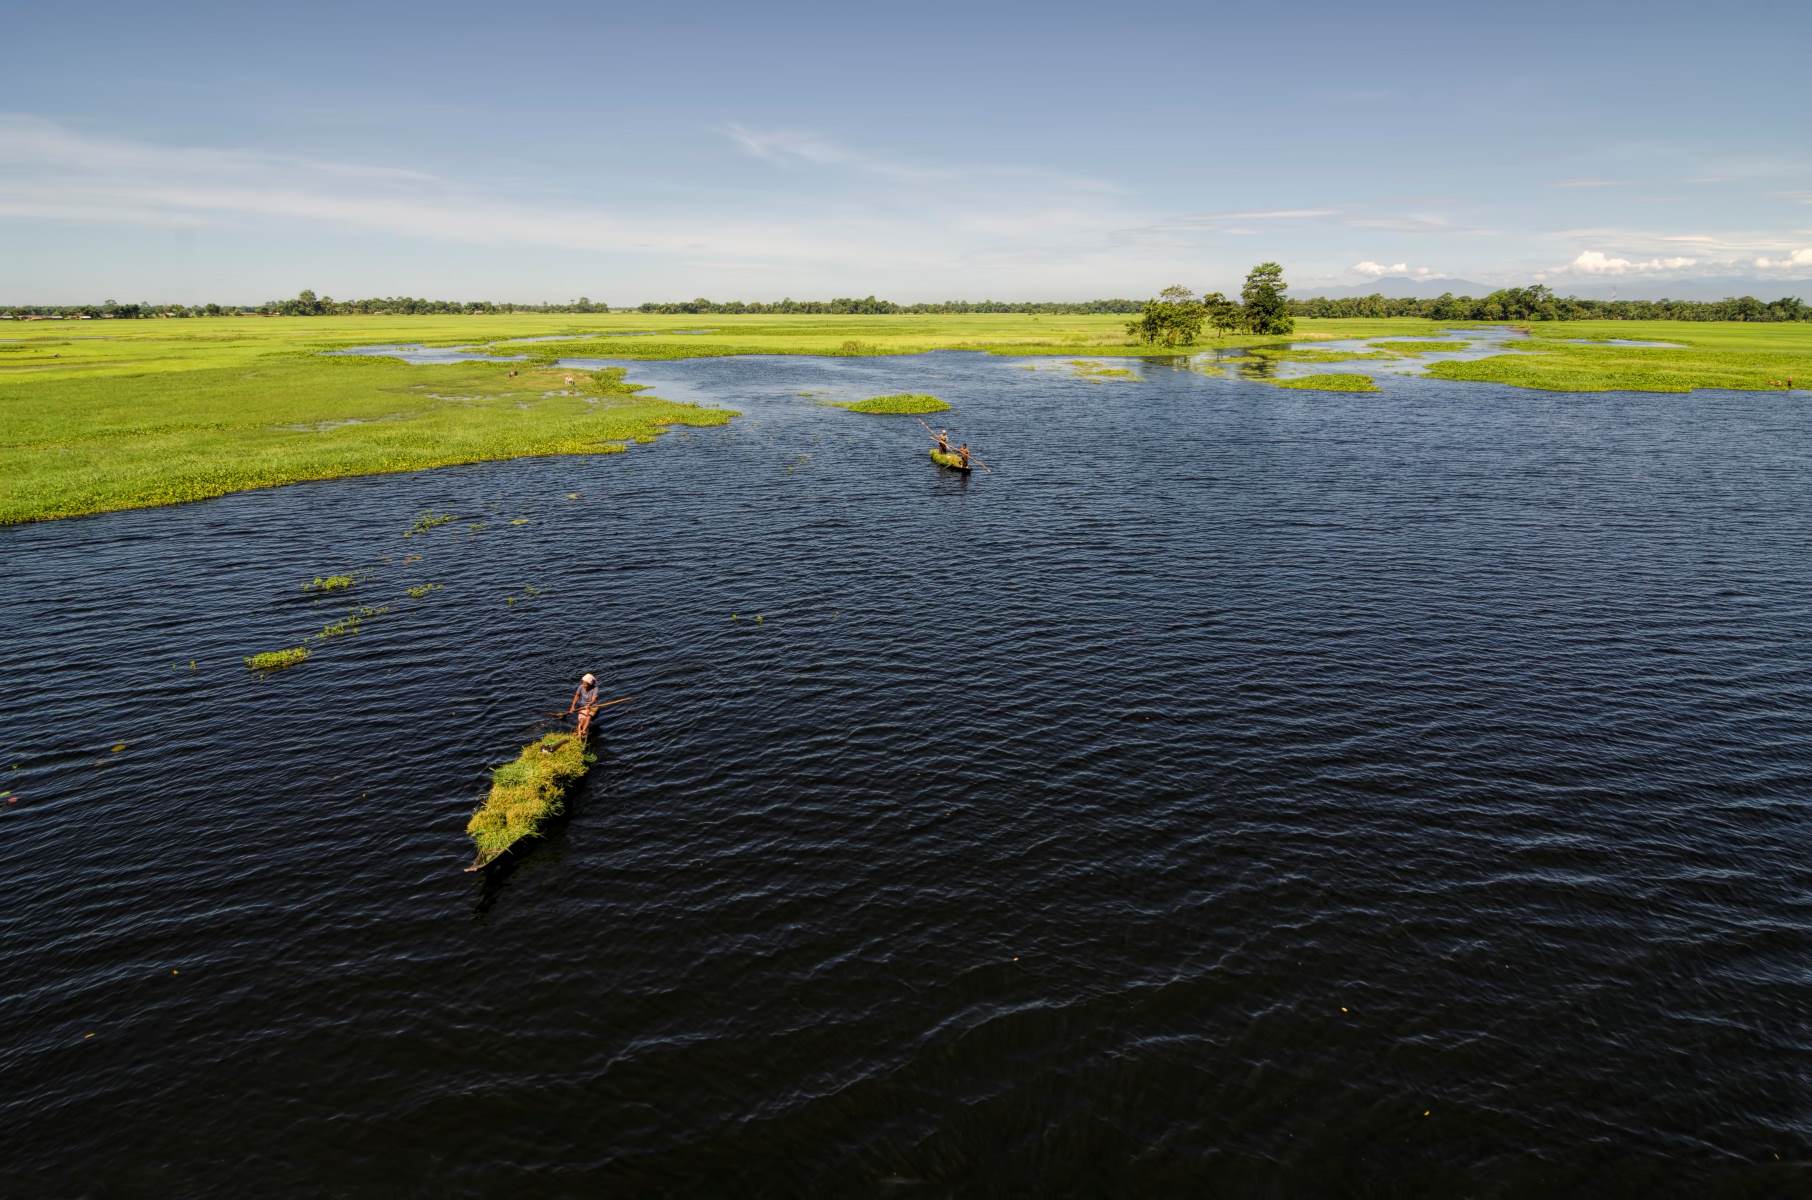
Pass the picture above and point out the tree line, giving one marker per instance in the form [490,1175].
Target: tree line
[869,305]
[1261,308]
[303,304]
[1539,303]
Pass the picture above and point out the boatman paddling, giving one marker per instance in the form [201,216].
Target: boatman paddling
[943,441]
[963,453]
[585,702]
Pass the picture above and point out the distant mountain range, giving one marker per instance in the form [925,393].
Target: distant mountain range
[1634,288]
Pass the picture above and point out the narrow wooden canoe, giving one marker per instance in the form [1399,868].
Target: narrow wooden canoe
[952,461]
[526,794]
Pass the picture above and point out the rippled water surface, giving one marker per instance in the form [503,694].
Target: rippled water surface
[1240,792]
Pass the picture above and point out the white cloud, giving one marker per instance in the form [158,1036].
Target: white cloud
[1374,270]
[1597,262]
[1799,258]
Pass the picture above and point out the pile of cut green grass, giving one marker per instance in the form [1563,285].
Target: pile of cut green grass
[276,660]
[902,403]
[1335,382]
[526,793]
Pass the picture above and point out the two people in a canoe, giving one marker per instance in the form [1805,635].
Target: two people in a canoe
[585,703]
[942,438]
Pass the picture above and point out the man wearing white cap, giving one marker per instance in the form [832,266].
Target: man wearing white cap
[585,701]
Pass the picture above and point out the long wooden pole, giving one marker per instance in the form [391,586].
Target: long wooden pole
[978,462]
[593,707]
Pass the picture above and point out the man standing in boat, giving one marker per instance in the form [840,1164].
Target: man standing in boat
[962,452]
[943,441]
[585,702]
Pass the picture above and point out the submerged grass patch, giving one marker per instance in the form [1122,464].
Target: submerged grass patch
[426,522]
[1414,347]
[276,660]
[526,793]
[1292,354]
[1333,382]
[1083,369]
[351,621]
[899,403]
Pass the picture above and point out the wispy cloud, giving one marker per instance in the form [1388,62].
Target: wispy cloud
[1596,262]
[795,147]
[1375,270]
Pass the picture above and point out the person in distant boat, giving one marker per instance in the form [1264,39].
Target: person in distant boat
[943,441]
[962,452]
[585,702]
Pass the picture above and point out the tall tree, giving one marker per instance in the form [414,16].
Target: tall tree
[1266,309]
[1223,314]
[1173,319]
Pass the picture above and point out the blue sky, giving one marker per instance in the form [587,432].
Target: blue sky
[919,151]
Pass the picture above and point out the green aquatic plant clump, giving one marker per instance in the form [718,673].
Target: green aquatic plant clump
[329,583]
[526,793]
[902,403]
[421,590]
[1333,382]
[351,621]
[276,660]
[428,521]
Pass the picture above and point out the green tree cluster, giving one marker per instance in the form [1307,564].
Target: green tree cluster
[1176,317]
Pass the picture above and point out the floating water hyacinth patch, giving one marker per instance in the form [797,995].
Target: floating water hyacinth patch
[329,583]
[422,589]
[276,660]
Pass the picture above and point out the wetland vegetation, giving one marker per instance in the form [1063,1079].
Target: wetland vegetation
[107,415]
[1333,382]
[902,403]
[275,660]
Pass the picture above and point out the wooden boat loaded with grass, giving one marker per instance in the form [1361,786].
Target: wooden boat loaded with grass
[953,461]
[526,794]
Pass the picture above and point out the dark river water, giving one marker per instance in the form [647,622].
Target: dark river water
[1240,792]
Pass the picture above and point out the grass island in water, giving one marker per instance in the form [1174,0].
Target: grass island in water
[1333,382]
[903,403]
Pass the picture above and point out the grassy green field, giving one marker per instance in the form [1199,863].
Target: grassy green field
[1575,356]
[104,415]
